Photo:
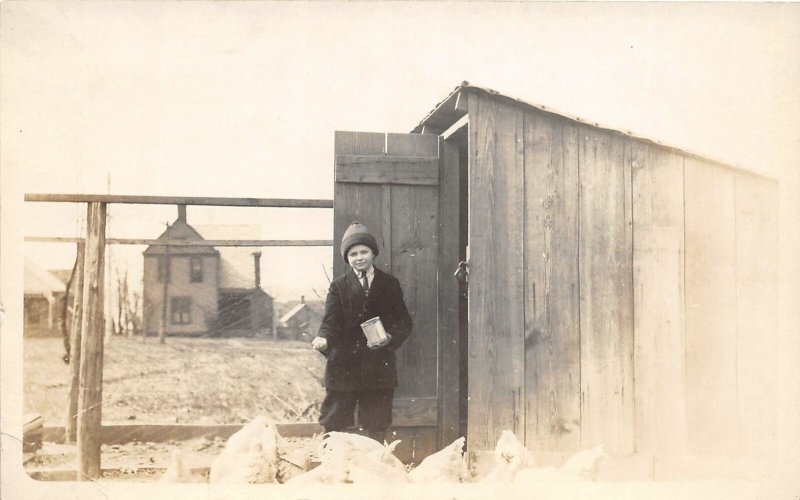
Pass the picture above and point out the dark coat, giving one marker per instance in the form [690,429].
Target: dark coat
[351,364]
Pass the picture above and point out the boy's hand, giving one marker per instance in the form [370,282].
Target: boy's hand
[388,339]
[319,343]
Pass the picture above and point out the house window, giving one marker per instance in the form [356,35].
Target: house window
[163,269]
[181,310]
[196,269]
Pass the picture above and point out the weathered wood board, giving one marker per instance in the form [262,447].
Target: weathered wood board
[414,255]
[448,344]
[552,336]
[606,295]
[496,301]
[90,390]
[659,341]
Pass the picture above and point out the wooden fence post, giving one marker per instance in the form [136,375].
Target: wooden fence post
[90,394]
[71,427]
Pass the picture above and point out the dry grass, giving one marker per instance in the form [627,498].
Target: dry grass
[201,381]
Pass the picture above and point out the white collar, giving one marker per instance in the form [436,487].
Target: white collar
[370,274]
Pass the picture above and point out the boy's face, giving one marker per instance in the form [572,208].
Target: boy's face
[360,257]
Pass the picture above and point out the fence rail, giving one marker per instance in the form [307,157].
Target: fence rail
[181,200]
[179,243]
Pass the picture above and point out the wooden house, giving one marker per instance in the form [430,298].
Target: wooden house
[619,291]
[207,291]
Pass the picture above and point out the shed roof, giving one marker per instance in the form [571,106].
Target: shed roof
[37,281]
[286,310]
[448,112]
[296,309]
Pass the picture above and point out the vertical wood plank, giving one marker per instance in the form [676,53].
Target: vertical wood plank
[552,337]
[71,427]
[415,246]
[756,312]
[356,201]
[386,221]
[710,308]
[90,394]
[496,302]
[659,336]
[448,343]
[606,315]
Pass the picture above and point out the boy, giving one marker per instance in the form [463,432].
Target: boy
[354,372]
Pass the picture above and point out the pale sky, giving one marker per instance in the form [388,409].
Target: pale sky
[242,99]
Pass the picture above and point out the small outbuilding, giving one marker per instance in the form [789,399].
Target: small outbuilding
[44,302]
[618,291]
[299,320]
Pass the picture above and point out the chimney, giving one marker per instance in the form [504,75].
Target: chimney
[257,264]
[302,299]
[182,213]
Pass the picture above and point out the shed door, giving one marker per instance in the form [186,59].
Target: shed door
[391,184]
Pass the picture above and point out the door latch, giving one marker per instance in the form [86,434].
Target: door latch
[462,272]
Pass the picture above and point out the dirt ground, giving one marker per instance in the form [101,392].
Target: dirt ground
[146,462]
[197,381]
[192,381]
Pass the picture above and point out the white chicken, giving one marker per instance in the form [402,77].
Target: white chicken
[580,467]
[510,457]
[585,463]
[351,458]
[378,466]
[250,455]
[327,473]
[366,469]
[178,471]
[385,455]
[445,466]
[342,446]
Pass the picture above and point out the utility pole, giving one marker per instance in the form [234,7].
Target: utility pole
[166,268]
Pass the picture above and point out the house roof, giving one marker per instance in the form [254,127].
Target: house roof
[179,231]
[296,309]
[288,309]
[62,274]
[447,112]
[37,281]
[237,265]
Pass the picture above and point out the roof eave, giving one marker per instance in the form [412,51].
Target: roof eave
[453,107]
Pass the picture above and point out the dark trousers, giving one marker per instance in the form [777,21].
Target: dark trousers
[374,411]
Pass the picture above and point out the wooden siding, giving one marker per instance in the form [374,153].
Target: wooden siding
[647,313]
[659,341]
[552,374]
[606,302]
[496,301]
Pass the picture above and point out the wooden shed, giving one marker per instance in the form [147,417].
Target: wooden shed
[620,292]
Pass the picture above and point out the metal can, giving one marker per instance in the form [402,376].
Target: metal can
[375,332]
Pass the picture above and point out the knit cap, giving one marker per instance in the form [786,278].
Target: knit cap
[357,234]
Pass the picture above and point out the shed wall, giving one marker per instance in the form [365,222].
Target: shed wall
[621,293]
